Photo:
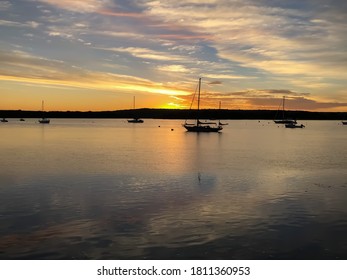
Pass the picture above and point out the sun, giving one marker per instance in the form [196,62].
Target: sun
[172,105]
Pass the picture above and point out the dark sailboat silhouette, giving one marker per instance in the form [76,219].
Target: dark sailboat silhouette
[283,120]
[199,126]
[43,119]
[135,119]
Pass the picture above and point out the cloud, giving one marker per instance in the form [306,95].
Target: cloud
[284,92]
[60,34]
[256,99]
[121,14]
[274,40]
[215,83]
[5,5]
[79,6]
[297,103]
[30,24]
[173,68]
[23,67]
[11,23]
[146,53]
[245,48]
[225,76]
[265,93]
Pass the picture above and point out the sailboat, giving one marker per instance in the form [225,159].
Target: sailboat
[199,126]
[294,125]
[43,120]
[284,120]
[4,120]
[220,107]
[135,120]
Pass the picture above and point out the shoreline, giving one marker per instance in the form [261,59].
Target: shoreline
[176,114]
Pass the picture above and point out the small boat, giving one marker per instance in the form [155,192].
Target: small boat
[220,107]
[199,126]
[344,122]
[283,120]
[43,119]
[202,127]
[135,120]
[22,120]
[294,125]
[4,120]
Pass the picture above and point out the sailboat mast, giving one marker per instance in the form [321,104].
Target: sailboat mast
[197,117]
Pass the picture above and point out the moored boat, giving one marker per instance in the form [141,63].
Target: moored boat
[135,119]
[200,126]
[43,120]
[294,125]
[283,120]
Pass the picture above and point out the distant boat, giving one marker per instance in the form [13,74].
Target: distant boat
[283,120]
[21,119]
[43,119]
[220,107]
[294,125]
[135,120]
[199,126]
[344,122]
[4,120]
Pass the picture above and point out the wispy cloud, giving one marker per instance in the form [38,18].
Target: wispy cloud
[174,68]
[30,24]
[4,5]
[279,41]
[296,103]
[24,67]
[121,14]
[225,76]
[146,53]
[79,6]
[215,83]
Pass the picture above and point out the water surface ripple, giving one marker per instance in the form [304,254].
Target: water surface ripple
[106,189]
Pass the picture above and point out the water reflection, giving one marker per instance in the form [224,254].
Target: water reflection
[114,192]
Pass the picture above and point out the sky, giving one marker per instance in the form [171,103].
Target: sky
[95,55]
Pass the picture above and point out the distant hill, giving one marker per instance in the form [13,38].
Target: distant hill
[177,114]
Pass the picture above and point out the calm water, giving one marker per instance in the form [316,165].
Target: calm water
[106,189]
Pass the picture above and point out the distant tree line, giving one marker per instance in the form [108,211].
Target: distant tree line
[177,114]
